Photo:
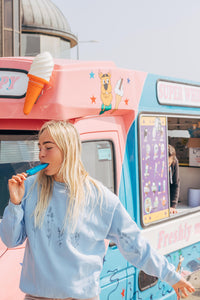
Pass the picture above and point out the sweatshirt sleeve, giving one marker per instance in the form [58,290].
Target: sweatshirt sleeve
[127,236]
[12,227]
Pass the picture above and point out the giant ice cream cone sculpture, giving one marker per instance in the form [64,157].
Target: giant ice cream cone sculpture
[39,75]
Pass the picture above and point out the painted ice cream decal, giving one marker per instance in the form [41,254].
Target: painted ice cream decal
[118,93]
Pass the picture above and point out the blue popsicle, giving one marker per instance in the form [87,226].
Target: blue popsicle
[36,169]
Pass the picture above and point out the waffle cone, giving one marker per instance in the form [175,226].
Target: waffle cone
[35,86]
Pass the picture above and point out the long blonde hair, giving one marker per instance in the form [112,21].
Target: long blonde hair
[72,171]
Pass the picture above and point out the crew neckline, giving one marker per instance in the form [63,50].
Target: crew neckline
[60,183]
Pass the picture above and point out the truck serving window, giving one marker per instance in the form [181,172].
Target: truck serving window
[156,133]
[184,136]
[18,152]
[98,159]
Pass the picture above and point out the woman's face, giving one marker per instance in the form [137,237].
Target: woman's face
[51,154]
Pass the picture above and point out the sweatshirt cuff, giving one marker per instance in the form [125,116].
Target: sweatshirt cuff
[14,205]
[172,278]
[16,210]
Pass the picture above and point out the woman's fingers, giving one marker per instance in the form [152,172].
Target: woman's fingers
[183,287]
[16,187]
[184,292]
[19,178]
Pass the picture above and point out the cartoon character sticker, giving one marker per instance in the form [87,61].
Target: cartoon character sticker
[106,92]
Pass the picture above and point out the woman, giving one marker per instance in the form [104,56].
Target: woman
[173,178]
[65,215]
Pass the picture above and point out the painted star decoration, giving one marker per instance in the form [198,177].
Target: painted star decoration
[126,101]
[93,99]
[92,75]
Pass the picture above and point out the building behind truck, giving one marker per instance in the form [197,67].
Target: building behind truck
[28,27]
[125,119]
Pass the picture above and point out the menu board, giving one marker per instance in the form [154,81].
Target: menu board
[154,168]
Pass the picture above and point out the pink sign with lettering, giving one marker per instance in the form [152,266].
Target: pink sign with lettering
[13,83]
[174,93]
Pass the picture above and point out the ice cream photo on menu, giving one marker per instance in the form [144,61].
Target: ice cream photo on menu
[39,75]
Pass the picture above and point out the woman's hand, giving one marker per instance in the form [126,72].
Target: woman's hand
[16,188]
[181,288]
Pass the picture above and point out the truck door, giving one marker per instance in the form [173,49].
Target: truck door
[102,155]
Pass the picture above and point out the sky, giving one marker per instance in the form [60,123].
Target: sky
[155,36]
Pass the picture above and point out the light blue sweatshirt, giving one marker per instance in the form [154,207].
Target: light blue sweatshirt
[61,264]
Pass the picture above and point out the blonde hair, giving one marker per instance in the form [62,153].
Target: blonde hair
[72,171]
[172,152]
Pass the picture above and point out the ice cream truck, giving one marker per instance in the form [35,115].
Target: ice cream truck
[126,119]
